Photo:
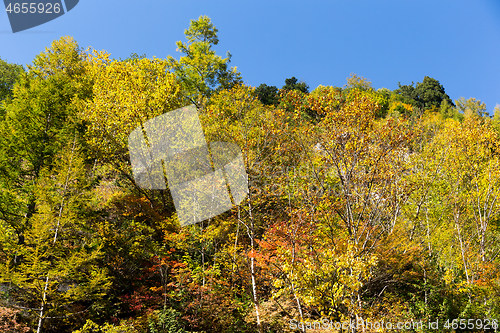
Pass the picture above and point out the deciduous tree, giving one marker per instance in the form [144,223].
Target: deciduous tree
[201,70]
[8,76]
[471,107]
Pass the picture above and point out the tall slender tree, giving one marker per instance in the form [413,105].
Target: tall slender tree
[200,69]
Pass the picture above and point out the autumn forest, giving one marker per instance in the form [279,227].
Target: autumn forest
[364,205]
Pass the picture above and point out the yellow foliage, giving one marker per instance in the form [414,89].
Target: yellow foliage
[125,95]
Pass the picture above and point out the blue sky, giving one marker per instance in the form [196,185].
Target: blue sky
[320,42]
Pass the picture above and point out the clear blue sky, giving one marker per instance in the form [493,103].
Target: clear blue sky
[320,42]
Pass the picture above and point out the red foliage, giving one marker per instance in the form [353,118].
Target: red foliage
[9,321]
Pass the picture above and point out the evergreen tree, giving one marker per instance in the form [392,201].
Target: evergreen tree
[425,95]
[293,84]
[267,95]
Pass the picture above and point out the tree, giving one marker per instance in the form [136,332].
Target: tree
[236,116]
[496,118]
[201,70]
[126,94]
[430,93]
[471,107]
[457,181]
[360,172]
[358,81]
[292,84]
[55,274]
[39,121]
[343,188]
[267,95]
[448,111]
[406,93]
[426,95]
[9,73]
[45,242]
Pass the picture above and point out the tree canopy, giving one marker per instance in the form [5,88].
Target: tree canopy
[426,94]
[293,84]
[267,95]
[363,205]
[200,69]
[9,73]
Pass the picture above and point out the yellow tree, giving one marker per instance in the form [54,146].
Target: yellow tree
[41,190]
[54,273]
[125,95]
[496,118]
[471,107]
[459,174]
[235,115]
[345,191]
[358,81]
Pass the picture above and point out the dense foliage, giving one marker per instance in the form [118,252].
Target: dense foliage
[364,205]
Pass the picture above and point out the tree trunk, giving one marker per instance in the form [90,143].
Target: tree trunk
[44,296]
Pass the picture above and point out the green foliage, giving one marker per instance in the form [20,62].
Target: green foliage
[448,111]
[406,94]
[430,93]
[426,95]
[471,107]
[496,118]
[165,321]
[48,245]
[267,95]
[52,271]
[43,105]
[363,204]
[9,73]
[91,327]
[355,81]
[134,57]
[201,70]
[293,84]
